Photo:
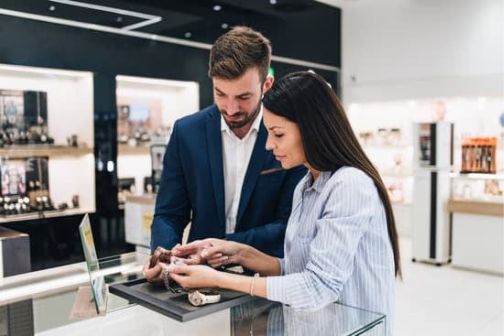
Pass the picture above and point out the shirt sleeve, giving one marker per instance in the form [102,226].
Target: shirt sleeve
[345,219]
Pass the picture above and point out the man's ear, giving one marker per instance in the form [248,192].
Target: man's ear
[268,83]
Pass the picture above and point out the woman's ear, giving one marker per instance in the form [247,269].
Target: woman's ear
[268,83]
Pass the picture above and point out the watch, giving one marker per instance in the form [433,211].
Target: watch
[203,297]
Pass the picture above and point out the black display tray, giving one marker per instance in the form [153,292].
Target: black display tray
[174,305]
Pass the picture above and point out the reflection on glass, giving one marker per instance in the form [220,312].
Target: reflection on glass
[262,317]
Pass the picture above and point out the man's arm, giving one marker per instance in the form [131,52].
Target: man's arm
[269,237]
[172,204]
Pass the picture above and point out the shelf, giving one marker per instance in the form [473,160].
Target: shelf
[146,199]
[44,214]
[478,176]
[23,151]
[476,207]
[130,150]
[395,175]
[386,147]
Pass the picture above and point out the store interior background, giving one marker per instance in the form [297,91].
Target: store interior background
[399,61]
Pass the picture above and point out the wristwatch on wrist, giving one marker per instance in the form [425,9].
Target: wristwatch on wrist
[203,297]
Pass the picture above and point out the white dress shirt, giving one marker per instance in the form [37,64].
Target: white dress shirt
[236,155]
[337,246]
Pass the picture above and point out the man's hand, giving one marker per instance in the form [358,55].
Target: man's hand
[152,274]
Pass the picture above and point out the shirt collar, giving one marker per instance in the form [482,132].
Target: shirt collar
[255,125]
[319,183]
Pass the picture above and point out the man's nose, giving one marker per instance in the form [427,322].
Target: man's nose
[232,107]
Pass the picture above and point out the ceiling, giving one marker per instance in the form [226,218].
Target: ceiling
[285,22]
[201,20]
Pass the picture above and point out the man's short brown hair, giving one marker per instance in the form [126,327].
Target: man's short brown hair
[238,50]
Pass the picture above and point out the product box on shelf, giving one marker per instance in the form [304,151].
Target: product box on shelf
[479,155]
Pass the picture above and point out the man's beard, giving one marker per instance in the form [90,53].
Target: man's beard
[249,117]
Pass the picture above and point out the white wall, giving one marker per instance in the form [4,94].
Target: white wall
[410,49]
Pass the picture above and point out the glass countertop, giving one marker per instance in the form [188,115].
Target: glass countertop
[52,300]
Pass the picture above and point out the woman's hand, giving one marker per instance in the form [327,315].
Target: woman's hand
[224,252]
[195,276]
[191,252]
[216,252]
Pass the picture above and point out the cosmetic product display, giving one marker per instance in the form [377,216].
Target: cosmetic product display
[479,155]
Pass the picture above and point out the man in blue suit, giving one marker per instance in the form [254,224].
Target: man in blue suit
[217,173]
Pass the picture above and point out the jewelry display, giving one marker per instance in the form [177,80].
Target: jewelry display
[382,136]
[23,118]
[24,187]
[137,125]
[198,297]
[126,186]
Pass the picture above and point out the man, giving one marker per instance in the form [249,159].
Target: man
[217,173]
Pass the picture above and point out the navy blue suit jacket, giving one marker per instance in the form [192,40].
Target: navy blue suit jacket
[192,189]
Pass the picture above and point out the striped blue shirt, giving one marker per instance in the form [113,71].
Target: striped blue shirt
[336,246]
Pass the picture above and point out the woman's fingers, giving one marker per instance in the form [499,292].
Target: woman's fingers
[178,269]
[221,261]
[184,250]
[210,252]
[178,279]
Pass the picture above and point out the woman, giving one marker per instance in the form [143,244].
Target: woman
[341,242]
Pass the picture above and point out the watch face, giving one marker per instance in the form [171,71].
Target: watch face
[195,298]
[198,300]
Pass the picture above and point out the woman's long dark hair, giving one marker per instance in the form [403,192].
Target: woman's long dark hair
[328,139]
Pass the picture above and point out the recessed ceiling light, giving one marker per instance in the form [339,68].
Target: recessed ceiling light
[217,8]
[119,19]
[224,26]
[52,8]
[188,35]
[273,2]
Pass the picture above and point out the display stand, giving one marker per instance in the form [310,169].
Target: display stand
[69,121]
[174,305]
[147,110]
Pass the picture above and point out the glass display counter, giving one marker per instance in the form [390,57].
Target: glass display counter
[52,293]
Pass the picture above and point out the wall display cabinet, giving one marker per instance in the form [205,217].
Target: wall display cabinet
[386,132]
[46,143]
[147,108]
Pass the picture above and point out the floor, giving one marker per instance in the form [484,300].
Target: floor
[433,300]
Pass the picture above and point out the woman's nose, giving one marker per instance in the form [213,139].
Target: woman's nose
[269,143]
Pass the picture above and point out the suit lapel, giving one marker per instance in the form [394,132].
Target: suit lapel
[259,155]
[214,144]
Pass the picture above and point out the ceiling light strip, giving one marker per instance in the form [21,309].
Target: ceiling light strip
[141,24]
[106,29]
[147,36]
[105,8]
